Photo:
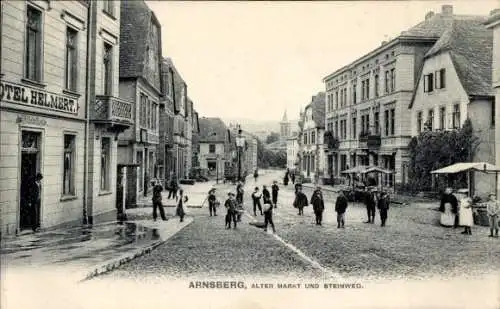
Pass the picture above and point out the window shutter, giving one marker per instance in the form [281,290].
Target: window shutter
[426,83]
[437,81]
[443,78]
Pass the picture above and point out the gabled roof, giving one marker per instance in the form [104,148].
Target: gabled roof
[430,29]
[212,130]
[135,19]
[470,46]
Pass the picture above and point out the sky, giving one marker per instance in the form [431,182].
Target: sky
[256,59]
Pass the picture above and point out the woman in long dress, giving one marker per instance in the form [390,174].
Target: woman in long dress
[465,217]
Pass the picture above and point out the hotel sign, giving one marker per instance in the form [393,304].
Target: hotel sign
[23,95]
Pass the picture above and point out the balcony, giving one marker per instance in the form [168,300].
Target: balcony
[113,113]
[367,140]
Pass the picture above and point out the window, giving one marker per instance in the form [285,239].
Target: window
[354,127]
[337,129]
[366,90]
[376,123]
[440,77]
[493,113]
[33,63]
[393,80]
[386,119]
[313,137]
[211,148]
[456,116]
[105,163]
[142,110]
[419,122]
[430,120]
[107,69]
[69,165]
[305,138]
[354,92]
[442,118]
[386,81]
[376,86]
[429,82]
[108,6]
[336,100]
[393,121]
[71,59]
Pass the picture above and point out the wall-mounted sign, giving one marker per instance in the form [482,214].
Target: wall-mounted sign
[27,119]
[24,95]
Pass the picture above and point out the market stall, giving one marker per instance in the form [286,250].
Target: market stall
[356,190]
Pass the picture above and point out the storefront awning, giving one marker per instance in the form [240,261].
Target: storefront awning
[355,170]
[484,167]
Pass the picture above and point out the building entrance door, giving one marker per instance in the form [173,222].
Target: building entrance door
[30,166]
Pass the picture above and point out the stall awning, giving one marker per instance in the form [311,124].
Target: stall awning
[376,169]
[484,167]
[363,169]
[355,170]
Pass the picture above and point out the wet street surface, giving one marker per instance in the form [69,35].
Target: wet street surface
[412,245]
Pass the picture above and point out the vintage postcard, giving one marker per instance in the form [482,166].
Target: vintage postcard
[249,154]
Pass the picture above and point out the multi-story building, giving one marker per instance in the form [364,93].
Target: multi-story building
[59,110]
[494,23]
[292,148]
[213,141]
[455,84]
[166,156]
[312,148]
[140,83]
[367,100]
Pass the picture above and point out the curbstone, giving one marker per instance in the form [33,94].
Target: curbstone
[117,262]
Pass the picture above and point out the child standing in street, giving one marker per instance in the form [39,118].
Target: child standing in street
[268,216]
[256,196]
[274,193]
[157,201]
[230,205]
[493,209]
[181,205]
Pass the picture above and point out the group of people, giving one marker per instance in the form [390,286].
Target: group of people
[181,200]
[456,210]
[374,199]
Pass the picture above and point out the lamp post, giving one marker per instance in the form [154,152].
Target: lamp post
[240,143]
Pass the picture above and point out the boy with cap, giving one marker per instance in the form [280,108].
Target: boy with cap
[230,205]
[493,209]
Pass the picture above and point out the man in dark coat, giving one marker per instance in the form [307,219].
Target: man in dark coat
[340,208]
[383,206]
[231,215]
[35,201]
[448,197]
[268,217]
[157,203]
[274,190]
[266,195]
[370,205]
[292,177]
[318,205]
[300,200]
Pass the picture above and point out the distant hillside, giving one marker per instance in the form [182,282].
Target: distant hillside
[261,128]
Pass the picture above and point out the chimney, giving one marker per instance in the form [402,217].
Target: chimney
[447,10]
[429,15]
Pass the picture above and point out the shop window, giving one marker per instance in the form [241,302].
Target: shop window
[107,69]
[71,59]
[69,165]
[33,53]
[105,163]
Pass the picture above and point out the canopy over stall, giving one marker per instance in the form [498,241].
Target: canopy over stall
[363,169]
[483,167]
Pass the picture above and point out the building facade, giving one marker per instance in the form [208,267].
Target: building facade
[494,23]
[166,156]
[367,100]
[57,118]
[292,149]
[312,150]
[455,85]
[214,147]
[140,83]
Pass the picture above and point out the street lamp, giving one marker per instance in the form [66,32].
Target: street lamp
[240,143]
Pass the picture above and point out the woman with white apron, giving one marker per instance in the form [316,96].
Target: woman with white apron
[466,218]
[448,208]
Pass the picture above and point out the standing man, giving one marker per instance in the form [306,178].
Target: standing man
[212,202]
[370,205]
[493,209]
[340,208]
[266,195]
[35,200]
[255,175]
[157,201]
[230,205]
[268,217]
[256,196]
[300,200]
[292,177]
[383,207]
[274,190]
[318,205]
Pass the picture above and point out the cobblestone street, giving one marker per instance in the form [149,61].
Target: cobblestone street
[412,245]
